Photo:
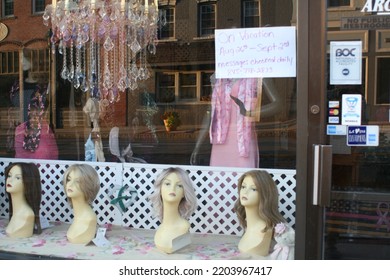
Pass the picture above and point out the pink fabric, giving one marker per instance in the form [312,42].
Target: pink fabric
[233,136]
[47,147]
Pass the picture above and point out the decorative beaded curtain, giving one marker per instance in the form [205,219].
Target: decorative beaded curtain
[215,188]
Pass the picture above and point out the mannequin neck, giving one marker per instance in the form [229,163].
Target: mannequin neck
[252,216]
[171,213]
[18,202]
[80,207]
[30,79]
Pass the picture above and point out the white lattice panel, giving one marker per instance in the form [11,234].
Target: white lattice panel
[215,189]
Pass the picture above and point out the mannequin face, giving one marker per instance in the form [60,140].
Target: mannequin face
[249,195]
[14,182]
[73,185]
[172,189]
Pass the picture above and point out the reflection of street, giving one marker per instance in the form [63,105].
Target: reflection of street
[276,144]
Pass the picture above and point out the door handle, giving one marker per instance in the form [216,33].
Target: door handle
[322,174]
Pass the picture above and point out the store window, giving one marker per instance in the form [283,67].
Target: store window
[180,77]
[251,13]
[8,8]
[167,27]
[38,6]
[207,14]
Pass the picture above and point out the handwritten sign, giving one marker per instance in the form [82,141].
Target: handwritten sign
[255,52]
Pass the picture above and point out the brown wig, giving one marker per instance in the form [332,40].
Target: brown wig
[268,196]
[32,190]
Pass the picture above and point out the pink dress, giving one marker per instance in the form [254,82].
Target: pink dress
[233,136]
[47,146]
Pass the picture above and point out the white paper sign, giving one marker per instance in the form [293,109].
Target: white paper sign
[255,52]
[346,63]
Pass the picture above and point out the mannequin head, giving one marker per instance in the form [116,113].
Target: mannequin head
[256,188]
[25,177]
[184,193]
[81,180]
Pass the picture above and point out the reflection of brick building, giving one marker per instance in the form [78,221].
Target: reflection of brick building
[180,71]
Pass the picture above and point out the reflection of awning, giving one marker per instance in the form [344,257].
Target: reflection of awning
[3,31]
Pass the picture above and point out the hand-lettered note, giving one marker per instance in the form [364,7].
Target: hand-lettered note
[255,52]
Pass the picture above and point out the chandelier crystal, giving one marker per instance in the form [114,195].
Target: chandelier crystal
[103,43]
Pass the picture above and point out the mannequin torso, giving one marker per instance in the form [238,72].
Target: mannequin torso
[166,233]
[21,224]
[255,241]
[83,228]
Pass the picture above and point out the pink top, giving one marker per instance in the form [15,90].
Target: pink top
[47,147]
[233,136]
[245,90]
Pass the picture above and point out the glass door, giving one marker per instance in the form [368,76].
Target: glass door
[357,216]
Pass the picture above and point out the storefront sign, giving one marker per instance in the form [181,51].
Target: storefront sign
[363,135]
[365,23]
[351,109]
[376,6]
[346,63]
[255,52]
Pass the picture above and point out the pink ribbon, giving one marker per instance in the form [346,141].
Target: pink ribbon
[383,219]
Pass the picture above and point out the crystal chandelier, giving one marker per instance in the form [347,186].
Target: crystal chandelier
[103,43]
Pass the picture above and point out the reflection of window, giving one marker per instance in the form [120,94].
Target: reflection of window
[338,3]
[38,6]
[8,8]
[167,30]
[9,62]
[383,81]
[187,90]
[206,19]
[183,87]
[250,13]
[205,94]
[39,60]
[166,87]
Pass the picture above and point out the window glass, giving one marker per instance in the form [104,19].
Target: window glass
[38,6]
[207,19]
[338,3]
[82,92]
[167,28]
[187,89]
[8,9]
[251,16]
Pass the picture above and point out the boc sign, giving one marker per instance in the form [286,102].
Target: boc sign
[346,63]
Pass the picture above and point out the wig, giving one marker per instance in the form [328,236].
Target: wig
[187,205]
[268,199]
[32,190]
[89,181]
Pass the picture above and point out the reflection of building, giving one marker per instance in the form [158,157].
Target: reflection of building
[349,23]
[181,76]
